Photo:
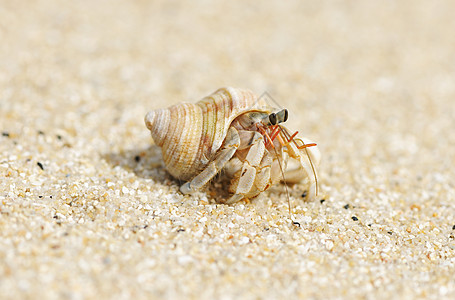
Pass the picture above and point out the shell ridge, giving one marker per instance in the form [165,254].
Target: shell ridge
[170,149]
[157,121]
[191,143]
[234,103]
[198,164]
[182,149]
[222,123]
[208,107]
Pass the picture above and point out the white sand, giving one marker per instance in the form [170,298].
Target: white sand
[373,82]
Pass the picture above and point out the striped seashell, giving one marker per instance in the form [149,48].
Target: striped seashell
[190,134]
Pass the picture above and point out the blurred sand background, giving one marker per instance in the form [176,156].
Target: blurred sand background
[87,210]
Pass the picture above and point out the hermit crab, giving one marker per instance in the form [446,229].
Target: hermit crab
[238,133]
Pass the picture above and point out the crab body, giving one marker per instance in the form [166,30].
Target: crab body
[234,131]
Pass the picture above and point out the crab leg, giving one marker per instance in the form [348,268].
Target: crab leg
[244,182]
[232,142]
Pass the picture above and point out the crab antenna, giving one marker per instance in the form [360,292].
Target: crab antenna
[269,139]
[292,136]
[302,146]
[275,132]
[286,188]
[314,171]
[307,145]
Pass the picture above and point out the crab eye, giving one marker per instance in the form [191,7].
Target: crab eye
[272,118]
[285,115]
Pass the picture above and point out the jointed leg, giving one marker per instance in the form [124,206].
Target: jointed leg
[232,142]
[243,181]
[263,178]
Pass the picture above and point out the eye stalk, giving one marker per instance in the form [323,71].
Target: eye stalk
[277,118]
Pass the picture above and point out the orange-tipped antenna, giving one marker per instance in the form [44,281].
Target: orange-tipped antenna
[269,139]
[276,130]
[302,145]
[306,145]
[292,136]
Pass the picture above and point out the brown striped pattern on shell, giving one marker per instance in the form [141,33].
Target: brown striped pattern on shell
[190,134]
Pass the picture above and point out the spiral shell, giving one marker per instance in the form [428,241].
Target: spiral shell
[190,134]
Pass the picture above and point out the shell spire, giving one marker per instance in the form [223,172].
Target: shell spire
[157,121]
[175,129]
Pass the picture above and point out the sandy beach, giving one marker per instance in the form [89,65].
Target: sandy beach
[88,211]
